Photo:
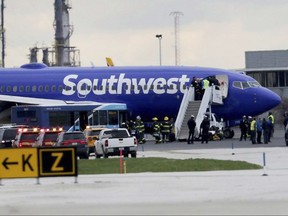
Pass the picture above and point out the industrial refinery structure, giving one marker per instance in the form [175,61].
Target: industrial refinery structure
[61,53]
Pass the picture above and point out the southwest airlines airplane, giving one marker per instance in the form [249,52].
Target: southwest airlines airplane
[148,91]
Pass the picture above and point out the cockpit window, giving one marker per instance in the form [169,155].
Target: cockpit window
[237,84]
[254,84]
[246,84]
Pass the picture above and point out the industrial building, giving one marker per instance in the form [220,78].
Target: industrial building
[269,68]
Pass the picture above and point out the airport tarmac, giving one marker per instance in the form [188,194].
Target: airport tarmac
[245,192]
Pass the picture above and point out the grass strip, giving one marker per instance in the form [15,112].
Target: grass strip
[138,165]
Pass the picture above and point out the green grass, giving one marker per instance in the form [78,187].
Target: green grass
[138,165]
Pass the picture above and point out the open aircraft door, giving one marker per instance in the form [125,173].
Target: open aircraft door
[223,80]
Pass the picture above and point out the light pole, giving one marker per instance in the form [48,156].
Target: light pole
[159,36]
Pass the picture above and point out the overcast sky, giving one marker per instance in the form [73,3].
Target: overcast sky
[212,33]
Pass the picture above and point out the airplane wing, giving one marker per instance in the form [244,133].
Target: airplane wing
[39,101]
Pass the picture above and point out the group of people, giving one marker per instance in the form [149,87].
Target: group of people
[136,128]
[252,128]
[162,131]
[204,129]
[201,85]
[255,128]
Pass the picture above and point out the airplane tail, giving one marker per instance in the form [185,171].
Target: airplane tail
[109,62]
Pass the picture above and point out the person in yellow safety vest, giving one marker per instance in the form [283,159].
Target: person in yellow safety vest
[140,128]
[205,84]
[253,130]
[156,130]
[271,118]
[166,129]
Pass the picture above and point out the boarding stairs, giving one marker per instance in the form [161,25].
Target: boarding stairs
[189,106]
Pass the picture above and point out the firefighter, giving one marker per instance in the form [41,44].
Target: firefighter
[156,130]
[139,126]
[166,129]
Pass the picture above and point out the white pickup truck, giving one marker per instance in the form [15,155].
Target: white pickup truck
[112,141]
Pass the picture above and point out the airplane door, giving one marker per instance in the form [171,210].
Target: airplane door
[223,80]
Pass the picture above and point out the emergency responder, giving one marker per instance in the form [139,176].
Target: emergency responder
[197,88]
[271,118]
[140,128]
[253,127]
[166,129]
[243,128]
[205,84]
[131,128]
[156,130]
[204,129]
[191,125]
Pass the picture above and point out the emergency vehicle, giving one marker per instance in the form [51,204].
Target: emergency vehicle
[26,137]
[48,137]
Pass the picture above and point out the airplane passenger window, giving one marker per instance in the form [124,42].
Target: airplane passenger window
[47,88]
[159,87]
[34,88]
[53,88]
[60,88]
[88,87]
[21,88]
[113,87]
[27,89]
[152,87]
[145,87]
[15,88]
[67,88]
[171,86]
[40,88]
[8,88]
[1,88]
[94,87]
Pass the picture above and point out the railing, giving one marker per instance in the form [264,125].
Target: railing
[211,94]
[205,103]
[187,97]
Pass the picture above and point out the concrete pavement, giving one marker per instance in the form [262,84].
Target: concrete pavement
[245,192]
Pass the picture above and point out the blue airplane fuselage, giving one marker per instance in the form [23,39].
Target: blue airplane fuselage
[147,91]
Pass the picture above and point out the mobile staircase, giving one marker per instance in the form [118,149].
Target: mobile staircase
[189,106]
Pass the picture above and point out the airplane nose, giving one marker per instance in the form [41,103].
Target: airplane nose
[268,99]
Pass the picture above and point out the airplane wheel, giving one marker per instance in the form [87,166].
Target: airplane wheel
[228,133]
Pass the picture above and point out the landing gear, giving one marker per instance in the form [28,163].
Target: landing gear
[228,133]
